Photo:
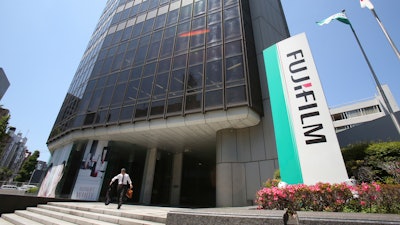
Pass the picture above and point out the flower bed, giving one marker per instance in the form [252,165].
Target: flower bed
[330,197]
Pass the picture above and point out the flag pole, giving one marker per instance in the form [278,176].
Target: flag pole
[386,33]
[389,107]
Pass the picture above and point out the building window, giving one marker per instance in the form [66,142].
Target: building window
[372,110]
[353,113]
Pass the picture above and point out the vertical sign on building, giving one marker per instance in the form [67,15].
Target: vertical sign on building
[308,149]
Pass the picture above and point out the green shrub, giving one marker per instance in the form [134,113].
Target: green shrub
[32,190]
[368,162]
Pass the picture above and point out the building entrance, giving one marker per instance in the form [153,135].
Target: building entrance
[198,179]
[197,183]
[128,156]
[162,179]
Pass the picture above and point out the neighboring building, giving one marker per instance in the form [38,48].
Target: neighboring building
[15,151]
[354,114]
[4,83]
[4,112]
[39,172]
[174,91]
[381,129]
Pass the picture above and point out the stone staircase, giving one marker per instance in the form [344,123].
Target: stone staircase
[95,213]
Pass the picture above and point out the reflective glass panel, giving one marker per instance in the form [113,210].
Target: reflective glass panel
[214,74]
[153,51]
[233,48]
[172,17]
[199,7]
[157,107]
[214,34]
[186,12]
[160,86]
[117,63]
[137,29]
[232,28]
[195,78]
[193,101]
[123,76]
[126,113]
[214,4]
[141,110]
[164,65]
[148,26]
[160,21]
[174,105]
[134,11]
[231,13]
[180,61]
[127,33]
[196,57]
[131,92]
[113,115]
[106,98]
[214,18]
[149,69]
[234,68]
[177,82]
[214,53]
[118,95]
[145,6]
[230,2]
[136,72]
[101,117]
[213,99]
[235,95]
[167,46]
[146,87]
[140,55]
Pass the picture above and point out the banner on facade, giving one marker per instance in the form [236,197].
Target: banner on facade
[54,172]
[308,149]
[91,173]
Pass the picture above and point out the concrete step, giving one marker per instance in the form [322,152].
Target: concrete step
[42,219]
[4,222]
[86,217]
[18,220]
[86,214]
[48,217]
[144,215]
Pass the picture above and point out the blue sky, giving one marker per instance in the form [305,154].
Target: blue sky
[43,41]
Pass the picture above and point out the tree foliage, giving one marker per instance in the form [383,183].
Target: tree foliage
[5,173]
[3,125]
[27,167]
[3,131]
[373,161]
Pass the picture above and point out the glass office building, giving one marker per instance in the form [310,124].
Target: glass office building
[175,92]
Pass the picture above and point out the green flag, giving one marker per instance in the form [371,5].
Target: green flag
[338,16]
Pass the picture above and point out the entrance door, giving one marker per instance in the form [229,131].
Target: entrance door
[130,157]
[162,179]
[198,179]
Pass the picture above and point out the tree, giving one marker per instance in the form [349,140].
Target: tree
[3,125]
[3,131]
[369,162]
[28,167]
[5,173]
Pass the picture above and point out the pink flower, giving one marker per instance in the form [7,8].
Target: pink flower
[377,186]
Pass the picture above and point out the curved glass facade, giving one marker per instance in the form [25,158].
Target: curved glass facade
[159,58]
